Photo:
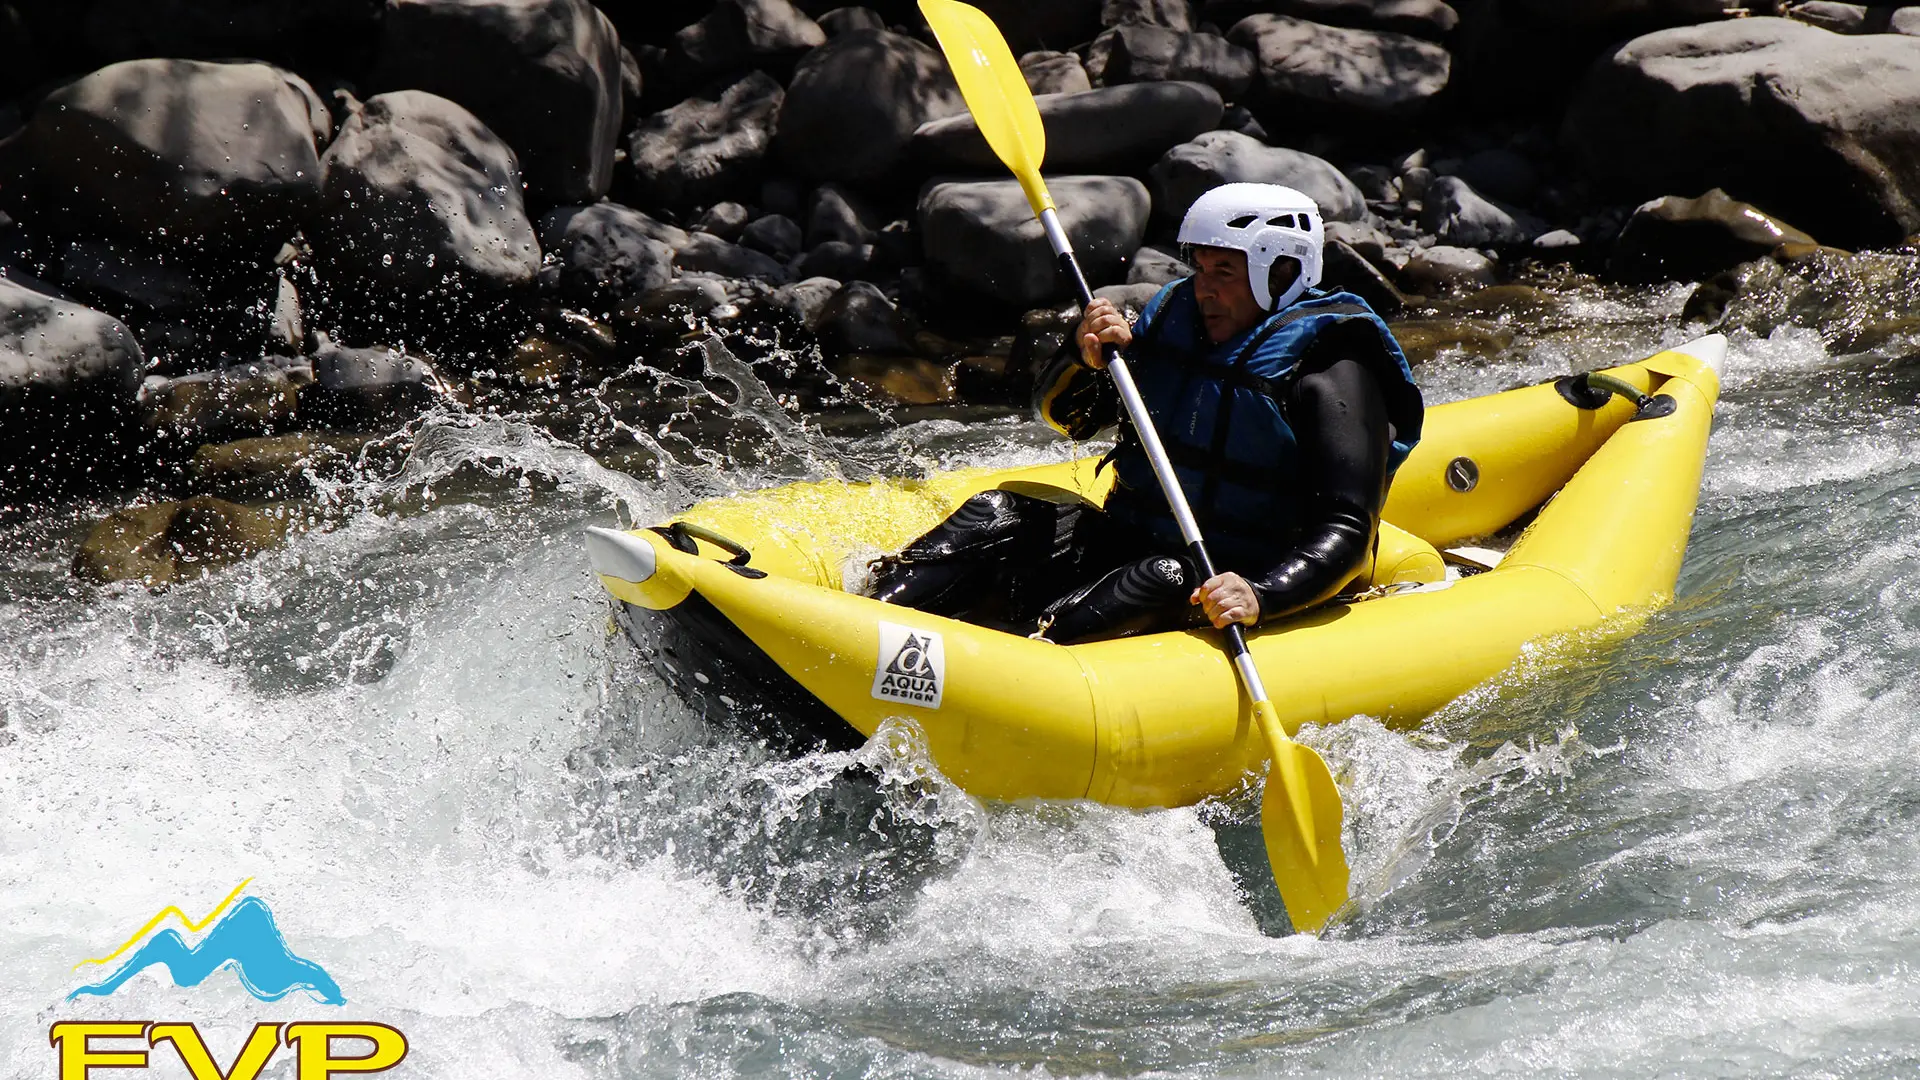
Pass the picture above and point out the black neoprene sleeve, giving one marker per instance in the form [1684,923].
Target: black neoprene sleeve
[1340,417]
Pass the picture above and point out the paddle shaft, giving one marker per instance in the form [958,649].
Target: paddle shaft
[1156,454]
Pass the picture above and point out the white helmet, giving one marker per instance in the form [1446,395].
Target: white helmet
[1268,222]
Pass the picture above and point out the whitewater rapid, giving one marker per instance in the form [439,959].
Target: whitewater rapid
[1692,852]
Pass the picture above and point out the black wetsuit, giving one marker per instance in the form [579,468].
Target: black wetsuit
[1006,558]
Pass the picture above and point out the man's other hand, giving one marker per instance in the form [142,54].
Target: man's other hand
[1228,598]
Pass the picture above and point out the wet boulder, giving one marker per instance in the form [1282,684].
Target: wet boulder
[605,253]
[544,75]
[705,148]
[420,196]
[1130,54]
[57,356]
[1306,66]
[982,237]
[854,103]
[1461,216]
[1443,269]
[171,542]
[1112,129]
[726,220]
[1227,157]
[1054,73]
[1676,239]
[358,388]
[182,151]
[236,399]
[805,299]
[860,319]
[737,34]
[706,253]
[1821,129]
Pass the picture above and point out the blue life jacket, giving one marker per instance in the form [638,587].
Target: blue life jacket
[1220,410]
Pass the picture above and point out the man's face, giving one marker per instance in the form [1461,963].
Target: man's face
[1226,299]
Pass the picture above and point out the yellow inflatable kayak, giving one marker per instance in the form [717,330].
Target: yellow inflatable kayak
[742,599]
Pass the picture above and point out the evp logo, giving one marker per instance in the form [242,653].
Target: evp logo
[240,936]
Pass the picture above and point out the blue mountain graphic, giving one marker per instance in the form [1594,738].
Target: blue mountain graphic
[245,938]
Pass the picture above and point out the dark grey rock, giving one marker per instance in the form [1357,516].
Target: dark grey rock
[1054,73]
[1345,268]
[1152,266]
[805,299]
[1306,65]
[1362,237]
[419,196]
[53,349]
[839,214]
[1443,269]
[1131,298]
[606,253]
[1154,54]
[982,236]
[775,234]
[712,255]
[1676,239]
[845,20]
[860,319]
[696,293]
[360,387]
[1842,18]
[1239,118]
[705,149]
[1430,20]
[1376,182]
[1228,157]
[855,102]
[1172,14]
[544,75]
[181,151]
[1461,216]
[837,259]
[1821,129]
[1105,130]
[737,34]
[725,220]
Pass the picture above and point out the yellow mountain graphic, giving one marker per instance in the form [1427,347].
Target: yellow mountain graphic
[159,917]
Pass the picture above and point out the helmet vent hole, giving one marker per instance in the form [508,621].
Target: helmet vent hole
[1243,221]
[1285,221]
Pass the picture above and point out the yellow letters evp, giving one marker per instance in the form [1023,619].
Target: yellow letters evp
[320,1050]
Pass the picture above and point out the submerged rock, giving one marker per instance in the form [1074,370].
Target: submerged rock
[420,196]
[275,466]
[181,151]
[171,542]
[543,75]
[1676,239]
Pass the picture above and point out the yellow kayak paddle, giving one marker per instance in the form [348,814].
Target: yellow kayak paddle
[1300,812]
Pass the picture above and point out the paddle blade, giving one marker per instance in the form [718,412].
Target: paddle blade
[995,90]
[1300,817]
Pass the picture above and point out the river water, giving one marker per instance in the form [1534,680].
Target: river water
[1692,852]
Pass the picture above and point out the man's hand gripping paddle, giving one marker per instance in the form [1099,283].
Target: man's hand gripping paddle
[1300,813]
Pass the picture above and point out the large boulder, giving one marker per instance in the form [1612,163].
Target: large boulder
[53,349]
[738,34]
[419,196]
[1821,129]
[1431,20]
[1306,66]
[1676,239]
[182,151]
[706,148]
[1228,157]
[982,236]
[1114,129]
[604,253]
[1128,54]
[855,102]
[543,74]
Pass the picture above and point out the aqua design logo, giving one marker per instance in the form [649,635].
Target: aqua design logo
[243,937]
[911,667]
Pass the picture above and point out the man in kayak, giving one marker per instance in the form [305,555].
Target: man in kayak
[1284,410]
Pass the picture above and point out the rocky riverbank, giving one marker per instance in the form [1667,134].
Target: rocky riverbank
[245,244]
